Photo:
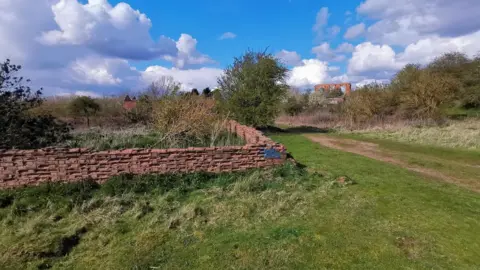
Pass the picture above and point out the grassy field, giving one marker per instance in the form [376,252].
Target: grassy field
[455,134]
[383,217]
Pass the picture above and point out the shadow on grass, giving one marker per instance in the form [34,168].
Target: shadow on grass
[293,130]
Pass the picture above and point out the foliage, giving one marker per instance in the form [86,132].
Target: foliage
[143,111]
[207,92]
[163,86]
[370,101]
[426,94]
[253,87]
[337,92]
[84,106]
[19,128]
[188,117]
[195,92]
[317,100]
[296,103]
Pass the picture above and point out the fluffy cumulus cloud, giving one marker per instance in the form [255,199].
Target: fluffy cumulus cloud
[404,22]
[117,31]
[310,73]
[189,78]
[377,59]
[355,31]
[187,53]
[369,57]
[69,46]
[289,58]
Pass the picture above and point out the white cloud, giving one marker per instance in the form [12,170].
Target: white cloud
[187,53]
[72,46]
[368,58]
[79,94]
[324,52]
[116,31]
[345,48]
[355,31]
[227,35]
[405,21]
[189,78]
[312,72]
[333,31]
[333,68]
[425,50]
[321,22]
[290,58]
[102,71]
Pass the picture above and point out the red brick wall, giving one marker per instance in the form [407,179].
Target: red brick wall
[31,167]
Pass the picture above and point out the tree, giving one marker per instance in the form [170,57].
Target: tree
[195,92]
[253,88]
[207,92]
[84,106]
[164,85]
[19,127]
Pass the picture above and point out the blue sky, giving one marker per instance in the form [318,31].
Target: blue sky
[104,47]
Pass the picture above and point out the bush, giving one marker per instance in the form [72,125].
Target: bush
[253,88]
[84,106]
[179,118]
[19,128]
[369,102]
[426,94]
[143,111]
[317,100]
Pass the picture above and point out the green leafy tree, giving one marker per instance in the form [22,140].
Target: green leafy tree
[19,127]
[84,107]
[253,88]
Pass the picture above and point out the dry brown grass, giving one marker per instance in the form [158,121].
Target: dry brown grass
[111,113]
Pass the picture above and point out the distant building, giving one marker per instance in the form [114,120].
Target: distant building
[330,86]
[129,103]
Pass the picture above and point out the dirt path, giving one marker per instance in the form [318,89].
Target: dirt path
[371,150]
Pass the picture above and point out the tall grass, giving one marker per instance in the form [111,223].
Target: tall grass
[143,137]
[452,133]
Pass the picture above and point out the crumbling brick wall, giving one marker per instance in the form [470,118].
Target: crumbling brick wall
[32,167]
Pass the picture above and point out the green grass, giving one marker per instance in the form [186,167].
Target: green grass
[281,218]
[457,163]
[141,137]
[464,134]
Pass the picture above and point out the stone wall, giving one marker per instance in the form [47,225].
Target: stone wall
[32,167]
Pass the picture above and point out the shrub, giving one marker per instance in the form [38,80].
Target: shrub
[84,106]
[143,111]
[19,128]
[370,101]
[421,93]
[253,87]
[317,100]
[187,117]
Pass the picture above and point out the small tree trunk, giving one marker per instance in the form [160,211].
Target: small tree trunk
[88,122]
